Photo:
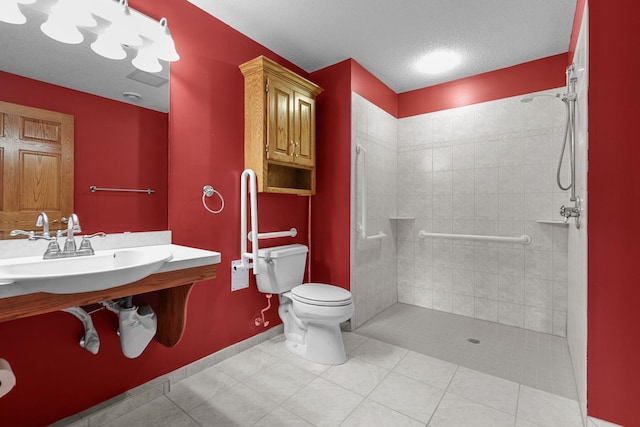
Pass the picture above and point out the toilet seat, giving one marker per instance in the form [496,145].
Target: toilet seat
[321,294]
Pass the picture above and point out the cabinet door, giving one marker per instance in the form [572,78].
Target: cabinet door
[304,130]
[36,167]
[279,121]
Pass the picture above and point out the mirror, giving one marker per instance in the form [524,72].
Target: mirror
[26,51]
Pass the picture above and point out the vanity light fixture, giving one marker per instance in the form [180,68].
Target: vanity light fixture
[10,12]
[438,61]
[65,18]
[116,25]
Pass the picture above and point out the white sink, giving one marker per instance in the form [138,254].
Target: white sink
[106,269]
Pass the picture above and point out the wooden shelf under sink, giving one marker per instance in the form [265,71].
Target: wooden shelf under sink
[173,289]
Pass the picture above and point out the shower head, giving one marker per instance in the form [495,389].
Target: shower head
[531,98]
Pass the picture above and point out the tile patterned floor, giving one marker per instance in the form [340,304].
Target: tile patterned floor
[380,385]
[527,357]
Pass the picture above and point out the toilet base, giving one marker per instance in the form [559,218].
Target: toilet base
[322,343]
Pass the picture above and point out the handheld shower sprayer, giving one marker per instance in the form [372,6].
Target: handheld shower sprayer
[569,99]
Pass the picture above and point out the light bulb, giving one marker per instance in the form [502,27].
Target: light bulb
[75,12]
[108,47]
[145,60]
[61,30]
[11,14]
[163,45]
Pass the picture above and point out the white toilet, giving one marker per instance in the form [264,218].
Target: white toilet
[311,312]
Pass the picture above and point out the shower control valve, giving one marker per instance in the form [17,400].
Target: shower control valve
[572,212]
[568,212]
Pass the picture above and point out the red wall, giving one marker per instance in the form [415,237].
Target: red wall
[330,209]
[613,371]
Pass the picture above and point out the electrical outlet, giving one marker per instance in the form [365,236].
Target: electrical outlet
[239,275]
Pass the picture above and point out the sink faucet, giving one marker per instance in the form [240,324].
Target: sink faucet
[43,221]
[73,225]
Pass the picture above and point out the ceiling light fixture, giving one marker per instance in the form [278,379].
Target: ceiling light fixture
[132,96]
[119,27]
[438,61]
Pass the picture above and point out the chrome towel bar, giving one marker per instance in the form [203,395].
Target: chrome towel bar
[93,189]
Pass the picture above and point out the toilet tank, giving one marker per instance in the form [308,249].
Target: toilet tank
[281,268]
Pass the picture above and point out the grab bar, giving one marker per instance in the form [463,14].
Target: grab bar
[361,227]
[244,255]
[93,189]
[524,239]
[274,234]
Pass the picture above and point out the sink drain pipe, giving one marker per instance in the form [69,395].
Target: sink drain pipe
[90,341]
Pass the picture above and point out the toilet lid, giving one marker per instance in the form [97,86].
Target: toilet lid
[321,294]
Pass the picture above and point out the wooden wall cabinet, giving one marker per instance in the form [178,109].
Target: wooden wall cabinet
[279,127]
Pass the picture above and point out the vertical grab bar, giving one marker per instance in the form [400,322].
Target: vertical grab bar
[362,225]
[244,255]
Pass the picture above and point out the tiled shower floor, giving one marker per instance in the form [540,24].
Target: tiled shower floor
[385,381]
[527,357]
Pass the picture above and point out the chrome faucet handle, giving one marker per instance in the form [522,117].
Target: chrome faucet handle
[91,236]
[53,249]
[85,245]
[29,234]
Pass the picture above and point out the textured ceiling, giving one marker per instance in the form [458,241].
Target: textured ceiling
[387,37]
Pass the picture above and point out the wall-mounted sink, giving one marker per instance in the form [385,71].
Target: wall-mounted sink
[106,269]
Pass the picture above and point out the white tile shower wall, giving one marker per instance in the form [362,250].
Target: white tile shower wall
[373,262]
[577,275]
[485,169]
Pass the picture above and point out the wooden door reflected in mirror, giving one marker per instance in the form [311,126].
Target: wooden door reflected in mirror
[36,167]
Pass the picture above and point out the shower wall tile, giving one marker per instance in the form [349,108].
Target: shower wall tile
[486,309]
[443,159]
[462,282]
[538,293]
[511,289]
[442,300]
[538,319]
[463,305]
[486,180]
[486,154]
[463,156]
[382,270]
[463,226]
[423,297]
[486,206]
[463,181]
[511,314]
[510,152]
[510,180]
[538,264]
[486,169]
